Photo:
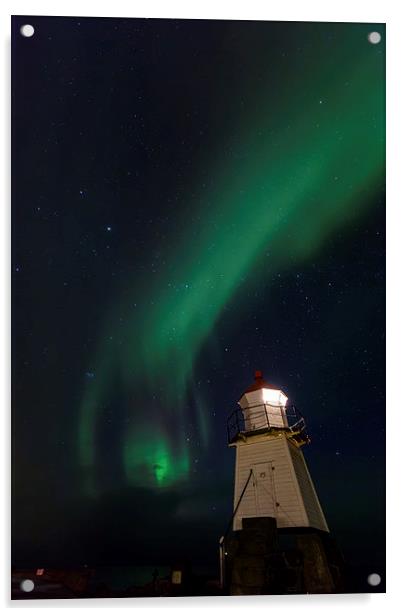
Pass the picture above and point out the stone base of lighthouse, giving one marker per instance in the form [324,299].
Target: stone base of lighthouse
[256,563]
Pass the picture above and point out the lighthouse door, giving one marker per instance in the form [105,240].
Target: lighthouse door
[264,490]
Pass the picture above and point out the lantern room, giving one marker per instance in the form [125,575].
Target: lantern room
[263,405]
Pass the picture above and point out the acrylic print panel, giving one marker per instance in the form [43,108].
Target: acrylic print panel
[198,307]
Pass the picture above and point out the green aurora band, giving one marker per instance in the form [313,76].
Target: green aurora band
[308,160]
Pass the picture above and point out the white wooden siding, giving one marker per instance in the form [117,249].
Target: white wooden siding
[280,485]
[312,504]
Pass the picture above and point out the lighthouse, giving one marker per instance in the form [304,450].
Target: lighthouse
[271,475]
[277,540]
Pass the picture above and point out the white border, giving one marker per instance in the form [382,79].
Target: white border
[285,10]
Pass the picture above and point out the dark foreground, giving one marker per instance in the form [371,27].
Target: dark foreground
[116,582]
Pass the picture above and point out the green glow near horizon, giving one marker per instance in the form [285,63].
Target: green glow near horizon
[300,172]
[149,461]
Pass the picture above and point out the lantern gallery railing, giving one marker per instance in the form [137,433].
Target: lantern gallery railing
[263,417]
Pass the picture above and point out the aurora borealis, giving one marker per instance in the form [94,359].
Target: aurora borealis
[208,199]
[289,173]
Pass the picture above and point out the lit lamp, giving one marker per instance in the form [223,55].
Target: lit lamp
[263,405]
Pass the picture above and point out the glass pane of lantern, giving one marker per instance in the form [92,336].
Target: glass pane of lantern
[274,396]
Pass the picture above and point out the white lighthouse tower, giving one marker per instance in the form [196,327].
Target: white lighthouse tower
[271,477]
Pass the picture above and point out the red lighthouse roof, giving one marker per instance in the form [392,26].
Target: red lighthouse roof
[259,383]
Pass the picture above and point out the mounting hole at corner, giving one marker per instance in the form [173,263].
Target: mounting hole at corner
[374,38]
[27,585]
[27,30]
[374,579]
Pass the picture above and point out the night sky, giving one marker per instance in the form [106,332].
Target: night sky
[192,200]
